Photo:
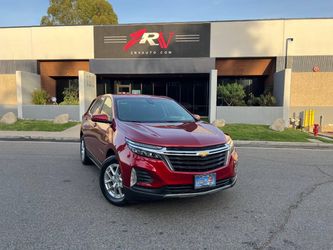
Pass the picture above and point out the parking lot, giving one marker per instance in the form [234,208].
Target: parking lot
[282,200]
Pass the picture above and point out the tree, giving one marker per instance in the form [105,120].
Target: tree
[232,94]
[72,12]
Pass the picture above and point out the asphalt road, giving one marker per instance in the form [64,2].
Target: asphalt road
[48,200]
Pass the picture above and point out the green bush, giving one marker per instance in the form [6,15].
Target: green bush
[232,94]
[40,97]
[71,96]
[262,100]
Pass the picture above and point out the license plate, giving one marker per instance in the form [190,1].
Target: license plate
[202,181]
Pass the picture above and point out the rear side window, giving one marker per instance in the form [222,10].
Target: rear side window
[96,107]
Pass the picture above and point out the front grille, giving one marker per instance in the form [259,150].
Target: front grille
[190,162]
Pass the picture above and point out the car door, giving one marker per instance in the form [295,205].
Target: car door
[104,135]
[89,127]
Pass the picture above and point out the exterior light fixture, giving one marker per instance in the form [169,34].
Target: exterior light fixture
[289,39]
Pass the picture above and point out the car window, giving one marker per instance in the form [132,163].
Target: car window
[96,107]
[107,108]
[151,110]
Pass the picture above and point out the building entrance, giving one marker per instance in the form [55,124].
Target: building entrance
[189,90]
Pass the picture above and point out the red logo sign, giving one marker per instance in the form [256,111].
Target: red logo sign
[316,69]
[152,38]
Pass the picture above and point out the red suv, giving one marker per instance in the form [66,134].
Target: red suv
[151,147]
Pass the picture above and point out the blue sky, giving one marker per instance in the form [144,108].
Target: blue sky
[29,12]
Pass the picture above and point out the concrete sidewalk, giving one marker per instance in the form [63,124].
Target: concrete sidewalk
[73,135]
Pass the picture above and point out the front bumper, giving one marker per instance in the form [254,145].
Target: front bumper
[176,191]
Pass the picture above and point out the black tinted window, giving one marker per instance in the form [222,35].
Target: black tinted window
[151,110]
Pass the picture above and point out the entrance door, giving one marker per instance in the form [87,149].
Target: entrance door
[123,89]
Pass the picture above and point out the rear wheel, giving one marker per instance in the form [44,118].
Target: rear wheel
[111,182]
[83,153]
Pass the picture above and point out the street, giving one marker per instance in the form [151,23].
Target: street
[48,199]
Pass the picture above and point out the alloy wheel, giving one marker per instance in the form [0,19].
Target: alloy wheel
[113,181]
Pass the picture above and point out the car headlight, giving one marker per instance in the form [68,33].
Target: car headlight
[144,149]
[230,143]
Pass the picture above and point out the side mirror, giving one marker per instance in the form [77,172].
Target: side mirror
[197,117]
[100,118]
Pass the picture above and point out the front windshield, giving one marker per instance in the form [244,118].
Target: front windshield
[151,110]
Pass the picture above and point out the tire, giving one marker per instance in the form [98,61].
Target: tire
[110,182]
[83,153]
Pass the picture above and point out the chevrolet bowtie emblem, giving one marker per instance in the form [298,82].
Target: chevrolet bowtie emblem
[203,153]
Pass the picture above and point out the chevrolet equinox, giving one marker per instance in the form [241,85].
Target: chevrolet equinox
[150,147]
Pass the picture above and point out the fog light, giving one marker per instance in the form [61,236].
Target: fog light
[133,177]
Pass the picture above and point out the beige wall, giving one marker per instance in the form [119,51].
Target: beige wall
[311,37]
[244,39]
[26,83]
[268,38]
[314,91]
[73,42]
[8,89]
[311,89]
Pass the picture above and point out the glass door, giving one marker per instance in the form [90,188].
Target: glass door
[123,89]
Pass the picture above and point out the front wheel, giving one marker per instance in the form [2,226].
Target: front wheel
[111,182]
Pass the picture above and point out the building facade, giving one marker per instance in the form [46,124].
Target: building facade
[177,60]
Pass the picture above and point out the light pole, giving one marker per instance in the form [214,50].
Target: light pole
[289,39]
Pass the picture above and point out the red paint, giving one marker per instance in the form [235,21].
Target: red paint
[137,37]
[101,137]
[161,40]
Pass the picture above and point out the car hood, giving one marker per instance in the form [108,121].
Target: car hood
[190,134]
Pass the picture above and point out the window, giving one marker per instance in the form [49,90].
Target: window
[151,110]
[96,107]
[107,108]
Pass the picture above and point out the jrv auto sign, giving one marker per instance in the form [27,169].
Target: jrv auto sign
[152,41]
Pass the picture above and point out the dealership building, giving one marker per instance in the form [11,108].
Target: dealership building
[291,58]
